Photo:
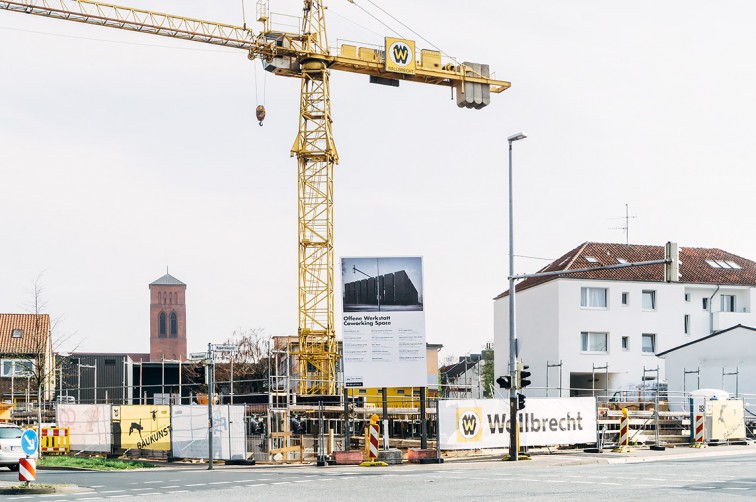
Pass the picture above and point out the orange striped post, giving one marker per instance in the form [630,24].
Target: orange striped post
[623,445]
[27,470]
[698,431]
[372,446]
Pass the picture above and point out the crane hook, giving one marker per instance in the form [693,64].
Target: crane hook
[260,114]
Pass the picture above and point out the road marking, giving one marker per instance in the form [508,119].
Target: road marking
[137,490]
[706,487]
[282,483]
[735,488]
[220,483]
[113,491]
[148,482]
[97,486]
[253,486]
[304,481]
[178,491]
[610,484]
[654,479]
[197,484]
[118,496]
[244,481]
[166,487]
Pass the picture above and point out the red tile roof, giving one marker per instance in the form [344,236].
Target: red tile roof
[35,328]
[693,267]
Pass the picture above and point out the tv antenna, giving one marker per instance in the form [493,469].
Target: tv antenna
[626,227]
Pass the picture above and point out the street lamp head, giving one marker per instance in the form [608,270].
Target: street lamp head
[516,137]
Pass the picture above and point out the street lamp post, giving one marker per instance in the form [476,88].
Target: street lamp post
[512,332]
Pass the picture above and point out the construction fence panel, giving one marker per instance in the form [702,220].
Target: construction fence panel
[725,420]
[90,426]
[189,435]
[485,423]
[144,427]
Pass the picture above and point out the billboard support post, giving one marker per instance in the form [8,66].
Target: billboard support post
[423,425]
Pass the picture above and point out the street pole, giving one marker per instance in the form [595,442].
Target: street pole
[512,332]
[209,407]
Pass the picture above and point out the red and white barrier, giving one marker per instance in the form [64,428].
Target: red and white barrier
[373,453]
[27,469]
[698,431]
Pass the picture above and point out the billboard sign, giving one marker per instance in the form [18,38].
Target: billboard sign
[383,322]
[484,423]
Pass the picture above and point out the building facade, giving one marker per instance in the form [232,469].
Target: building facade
[600,329]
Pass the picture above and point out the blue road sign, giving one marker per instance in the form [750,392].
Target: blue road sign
[29,442]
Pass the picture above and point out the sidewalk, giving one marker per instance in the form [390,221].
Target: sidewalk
[636,455]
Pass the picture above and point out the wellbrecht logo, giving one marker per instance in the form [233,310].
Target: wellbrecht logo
[400,56]
[469,424]
[400,53]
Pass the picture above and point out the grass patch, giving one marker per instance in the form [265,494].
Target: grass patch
[98,463]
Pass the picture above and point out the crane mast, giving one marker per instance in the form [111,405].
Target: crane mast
[316,157]
[306,56]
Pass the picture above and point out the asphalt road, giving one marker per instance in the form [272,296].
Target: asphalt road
[730,477]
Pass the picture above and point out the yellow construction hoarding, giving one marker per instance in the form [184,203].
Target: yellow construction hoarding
[144,427]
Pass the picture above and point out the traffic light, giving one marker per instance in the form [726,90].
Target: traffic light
[520,402]
[672,262]
[523,375]
[505,382]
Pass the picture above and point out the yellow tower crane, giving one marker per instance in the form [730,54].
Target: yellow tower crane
[306,56]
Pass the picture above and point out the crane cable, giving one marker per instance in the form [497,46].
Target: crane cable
[260,108]
[407,27]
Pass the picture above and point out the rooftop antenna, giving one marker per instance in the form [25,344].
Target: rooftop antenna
[626,227]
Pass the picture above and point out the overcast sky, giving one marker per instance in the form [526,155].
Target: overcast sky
[123,153]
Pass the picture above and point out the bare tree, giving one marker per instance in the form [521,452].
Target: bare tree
[247,368]
[34,354]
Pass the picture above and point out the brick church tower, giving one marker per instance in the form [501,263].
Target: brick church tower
[167,319]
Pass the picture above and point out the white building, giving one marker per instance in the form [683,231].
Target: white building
[619,318]
[723,360]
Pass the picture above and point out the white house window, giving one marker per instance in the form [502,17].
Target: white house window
[649,343]
[625,343]
[728,303]
[594,342]
[705,303]
[16,368]
[16,333]
[593,297]
[687,324]
[591,259]
[649,300]
[625,298]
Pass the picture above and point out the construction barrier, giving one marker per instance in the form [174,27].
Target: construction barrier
[698,431]
[372,445]
[27,469]
[56,440]
[623,445]
[373,449]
